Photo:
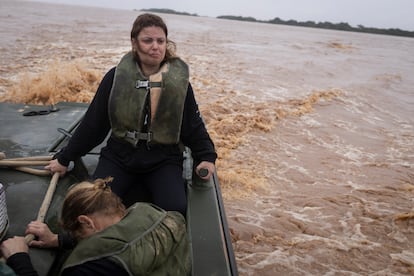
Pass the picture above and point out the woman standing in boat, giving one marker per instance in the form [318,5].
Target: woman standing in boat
[149,106]
[111,240]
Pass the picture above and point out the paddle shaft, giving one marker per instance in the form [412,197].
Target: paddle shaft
[31,158]
[33,171]
[20,163]
[45,204]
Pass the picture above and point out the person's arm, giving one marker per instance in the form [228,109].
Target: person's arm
[47,239]
[21,264]
[15,251]
[66,241]
[194,135]
[94,127]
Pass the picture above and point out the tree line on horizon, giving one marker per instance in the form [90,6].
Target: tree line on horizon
[311,24]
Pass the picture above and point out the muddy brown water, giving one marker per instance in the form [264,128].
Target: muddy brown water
[314,128]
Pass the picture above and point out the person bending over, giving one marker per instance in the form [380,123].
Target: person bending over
[111,240]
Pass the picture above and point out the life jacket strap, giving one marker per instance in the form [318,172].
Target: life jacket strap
[136,136]
[147,84]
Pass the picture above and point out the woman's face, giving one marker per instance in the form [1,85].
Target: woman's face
[151,45]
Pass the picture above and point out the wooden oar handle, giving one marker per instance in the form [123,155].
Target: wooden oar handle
[45,204]
[48,197]
[33,171]
[29,238]
[21,163]
[32,158]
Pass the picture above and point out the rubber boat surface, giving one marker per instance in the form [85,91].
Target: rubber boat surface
[46,132]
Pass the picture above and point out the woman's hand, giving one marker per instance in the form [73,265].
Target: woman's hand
[205,170]
[54,166]
[12,246]
[45,237]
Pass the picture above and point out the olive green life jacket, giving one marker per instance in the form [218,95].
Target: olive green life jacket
[157,102]
[147,241]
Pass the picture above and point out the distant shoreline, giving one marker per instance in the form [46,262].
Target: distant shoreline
[310,24]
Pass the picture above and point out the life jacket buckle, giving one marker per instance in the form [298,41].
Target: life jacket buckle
[147,84]
[142,84]
[137,136]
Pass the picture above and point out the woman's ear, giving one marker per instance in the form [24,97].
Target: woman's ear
[86,222]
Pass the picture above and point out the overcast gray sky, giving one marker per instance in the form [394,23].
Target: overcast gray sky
[369,13]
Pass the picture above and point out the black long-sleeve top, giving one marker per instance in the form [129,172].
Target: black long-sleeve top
[22,266]
[95,127]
